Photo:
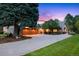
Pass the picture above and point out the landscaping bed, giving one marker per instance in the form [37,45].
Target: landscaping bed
[5,39]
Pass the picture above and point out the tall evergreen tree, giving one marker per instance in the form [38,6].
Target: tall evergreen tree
[69,22]
[19,13]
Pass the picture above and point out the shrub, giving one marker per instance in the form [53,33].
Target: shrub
[1,32]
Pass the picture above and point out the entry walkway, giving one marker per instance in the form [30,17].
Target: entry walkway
[29,45]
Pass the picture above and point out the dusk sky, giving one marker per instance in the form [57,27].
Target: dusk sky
[57,10]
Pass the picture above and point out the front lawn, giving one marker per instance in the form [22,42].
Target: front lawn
[67,47]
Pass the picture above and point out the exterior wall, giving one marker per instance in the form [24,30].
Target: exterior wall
[29,31]
[9,29]
[5,29]
[41,31]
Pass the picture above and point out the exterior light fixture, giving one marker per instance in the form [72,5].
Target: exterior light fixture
[47,30]
[26,27]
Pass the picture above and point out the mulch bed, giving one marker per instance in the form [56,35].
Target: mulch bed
[12,39]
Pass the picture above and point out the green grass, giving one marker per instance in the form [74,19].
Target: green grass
[67,47]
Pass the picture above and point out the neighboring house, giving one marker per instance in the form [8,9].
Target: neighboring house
[63,26]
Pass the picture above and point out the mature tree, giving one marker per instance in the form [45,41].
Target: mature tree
[77,26]
[45,25]
[57,20]
[18,13]
[69,22]
[75,20]
[51,24]
[76,23]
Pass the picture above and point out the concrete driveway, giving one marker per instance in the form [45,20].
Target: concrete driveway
[29,45]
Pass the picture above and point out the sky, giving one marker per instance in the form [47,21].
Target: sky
[57,10]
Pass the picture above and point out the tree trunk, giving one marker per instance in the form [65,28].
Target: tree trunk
[16,29]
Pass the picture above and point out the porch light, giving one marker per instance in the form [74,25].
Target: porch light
[26,27]
[47,30]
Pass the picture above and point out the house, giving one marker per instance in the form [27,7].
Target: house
[63,26]
[28,31]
